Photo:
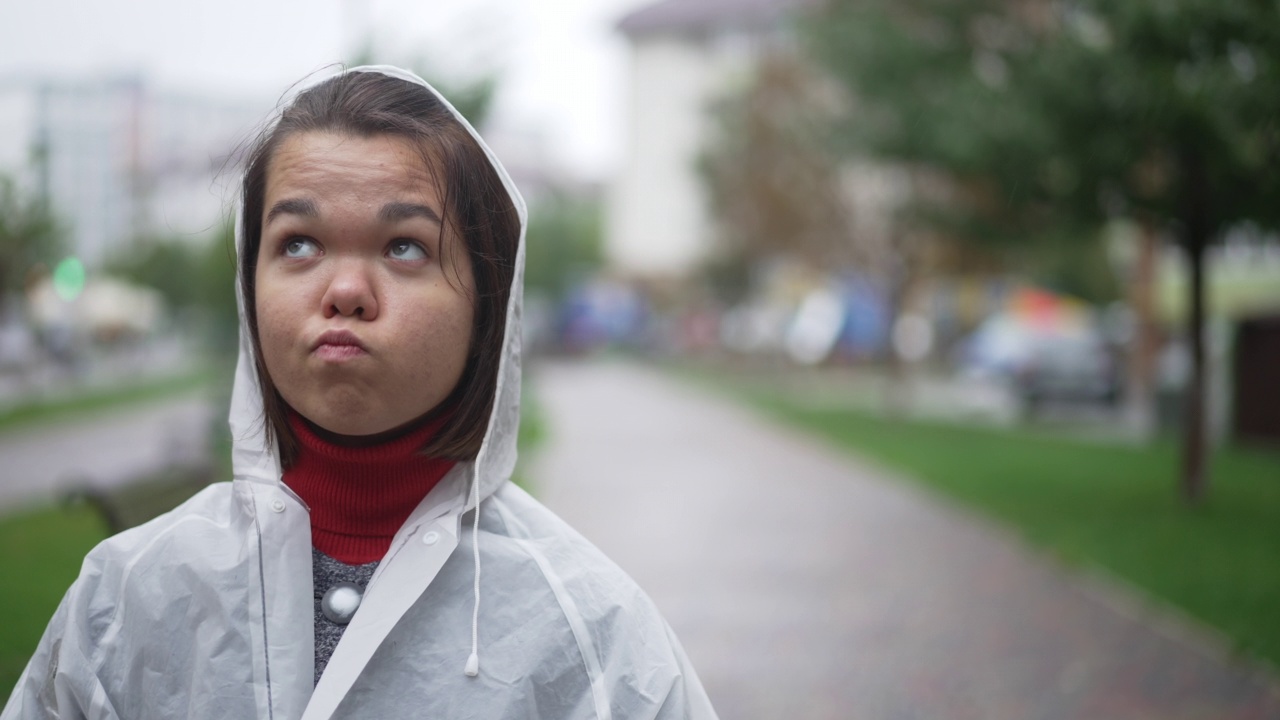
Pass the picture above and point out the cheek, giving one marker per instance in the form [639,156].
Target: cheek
[274,323]
[452,330]
[463,330]
[464,295]
[447,338]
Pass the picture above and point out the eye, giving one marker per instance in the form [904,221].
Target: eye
[406,250]
[300,247]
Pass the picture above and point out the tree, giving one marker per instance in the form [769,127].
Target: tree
[775,190]
[195,277]
[563,243]
[1054,117]
[30,236]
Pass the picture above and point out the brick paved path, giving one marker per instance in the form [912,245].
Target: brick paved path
[805,584]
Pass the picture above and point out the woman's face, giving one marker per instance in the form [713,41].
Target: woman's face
[363,303]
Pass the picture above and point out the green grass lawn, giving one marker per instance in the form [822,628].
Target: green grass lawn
[41,549]
[1108,505]
[40,554]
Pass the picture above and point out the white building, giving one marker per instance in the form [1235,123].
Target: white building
[685,54]
[117,160]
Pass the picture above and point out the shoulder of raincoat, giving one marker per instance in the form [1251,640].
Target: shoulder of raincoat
[207,611]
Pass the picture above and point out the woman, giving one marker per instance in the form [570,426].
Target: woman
[344,572]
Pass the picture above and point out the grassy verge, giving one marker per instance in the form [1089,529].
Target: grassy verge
[40,554]
[41,549]
[98,399]
[1110,505]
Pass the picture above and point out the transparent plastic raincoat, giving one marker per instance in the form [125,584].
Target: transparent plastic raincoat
[207,611]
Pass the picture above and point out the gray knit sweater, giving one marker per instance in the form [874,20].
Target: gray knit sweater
[325,573]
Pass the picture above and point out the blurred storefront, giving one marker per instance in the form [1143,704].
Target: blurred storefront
[1256,379]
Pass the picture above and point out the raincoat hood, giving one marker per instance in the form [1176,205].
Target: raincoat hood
[254,458]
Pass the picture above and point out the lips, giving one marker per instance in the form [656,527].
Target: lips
[338,345]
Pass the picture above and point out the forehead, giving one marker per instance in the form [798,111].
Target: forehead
[331,165]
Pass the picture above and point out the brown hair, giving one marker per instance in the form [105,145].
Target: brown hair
[476,207]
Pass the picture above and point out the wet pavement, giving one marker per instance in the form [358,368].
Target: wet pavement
[806,584]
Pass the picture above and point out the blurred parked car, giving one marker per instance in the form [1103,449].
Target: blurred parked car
[1060,370]
[1045,353]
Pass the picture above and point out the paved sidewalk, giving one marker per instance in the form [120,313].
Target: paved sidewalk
[101,448]
[805,584]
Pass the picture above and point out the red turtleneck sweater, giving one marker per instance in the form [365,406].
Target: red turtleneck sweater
[360,495]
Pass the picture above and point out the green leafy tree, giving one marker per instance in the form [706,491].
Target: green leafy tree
[563,243]
[1051,117]
[30,236]
[195,277]
[168,266]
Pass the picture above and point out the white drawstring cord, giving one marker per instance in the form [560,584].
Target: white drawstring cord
[473,662]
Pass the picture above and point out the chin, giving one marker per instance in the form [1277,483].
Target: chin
[355,424]
[347,425]
[351,413]
[348,419]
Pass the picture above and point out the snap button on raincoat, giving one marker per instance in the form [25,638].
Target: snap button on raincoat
[206,612]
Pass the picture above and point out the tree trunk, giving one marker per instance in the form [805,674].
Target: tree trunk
[1195,435]
[898,395]
[1144,343]
[1195,450]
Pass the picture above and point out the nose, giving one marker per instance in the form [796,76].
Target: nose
[351,292]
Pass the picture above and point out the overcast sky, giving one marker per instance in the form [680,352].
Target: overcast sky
[560,62]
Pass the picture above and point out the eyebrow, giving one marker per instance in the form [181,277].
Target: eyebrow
[292,206]
[397,211]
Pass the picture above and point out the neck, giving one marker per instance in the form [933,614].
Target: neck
[361,493]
